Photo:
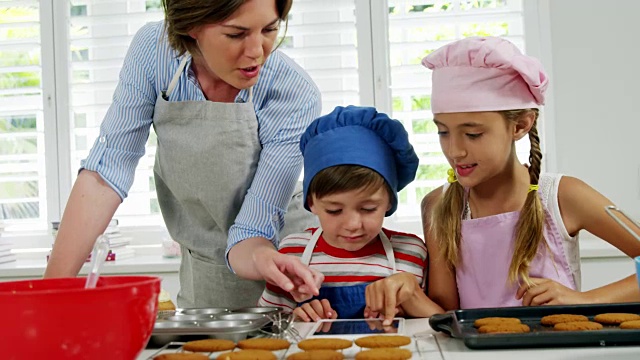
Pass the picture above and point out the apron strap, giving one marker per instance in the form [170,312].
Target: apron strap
[388,249]
[386,244]
[308,250]
[176,76]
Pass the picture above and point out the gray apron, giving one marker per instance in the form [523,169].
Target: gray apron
[206,158]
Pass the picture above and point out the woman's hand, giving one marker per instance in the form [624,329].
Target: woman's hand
[386,295]
[315,310]
[549,292]
[288,273]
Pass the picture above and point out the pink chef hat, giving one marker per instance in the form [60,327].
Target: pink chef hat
[484,74]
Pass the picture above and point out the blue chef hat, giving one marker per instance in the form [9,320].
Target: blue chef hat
[355,135]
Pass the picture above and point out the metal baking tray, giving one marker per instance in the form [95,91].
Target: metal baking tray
[218,323]
[459,324]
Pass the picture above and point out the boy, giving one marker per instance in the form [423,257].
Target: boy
[355,162]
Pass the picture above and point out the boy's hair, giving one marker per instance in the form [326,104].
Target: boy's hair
[447,213]
[342,178]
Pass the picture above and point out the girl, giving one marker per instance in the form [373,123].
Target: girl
[500,233]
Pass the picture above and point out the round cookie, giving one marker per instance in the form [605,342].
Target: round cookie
[578,326]
[495,320]
[633,324]
[384,354]
[247,355]
[264,344]
[209,345]
[181,356]
[504,328]
[325,343]
[615,318]
[383,341]
[322,354]
[551,320]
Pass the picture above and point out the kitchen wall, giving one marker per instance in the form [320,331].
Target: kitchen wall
[590,49]
[593,50]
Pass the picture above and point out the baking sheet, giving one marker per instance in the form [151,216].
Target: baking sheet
[459,324]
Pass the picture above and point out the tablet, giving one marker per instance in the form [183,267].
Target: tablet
[342,327]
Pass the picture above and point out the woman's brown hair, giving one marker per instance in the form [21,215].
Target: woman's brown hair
[182,16]
[446,217]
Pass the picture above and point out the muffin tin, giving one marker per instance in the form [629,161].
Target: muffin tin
[218,323]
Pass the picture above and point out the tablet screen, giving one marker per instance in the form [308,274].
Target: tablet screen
[354,327]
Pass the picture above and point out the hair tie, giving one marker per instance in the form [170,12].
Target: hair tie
[452,176]
[533,188]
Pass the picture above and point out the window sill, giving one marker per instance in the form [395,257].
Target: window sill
[594,247]
[142,263]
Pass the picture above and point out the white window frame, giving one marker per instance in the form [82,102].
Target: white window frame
[374,81]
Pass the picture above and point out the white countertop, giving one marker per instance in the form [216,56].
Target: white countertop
[435,345]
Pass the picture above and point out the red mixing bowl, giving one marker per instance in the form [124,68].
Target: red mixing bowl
[59,319]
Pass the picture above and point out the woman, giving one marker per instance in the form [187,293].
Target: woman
[228,113]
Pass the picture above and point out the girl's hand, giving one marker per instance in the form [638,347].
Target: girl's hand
[386,295]
[315,310]
[549,292]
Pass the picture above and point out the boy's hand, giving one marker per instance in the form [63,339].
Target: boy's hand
[548,292]
[386,295]
[315,310]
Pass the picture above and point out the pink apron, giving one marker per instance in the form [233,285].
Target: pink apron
[486,249]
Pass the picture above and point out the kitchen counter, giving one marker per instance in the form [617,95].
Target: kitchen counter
[439,346]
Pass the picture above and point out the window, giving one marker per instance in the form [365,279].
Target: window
[99,35]
[322,38]
[23,190]
[60,62]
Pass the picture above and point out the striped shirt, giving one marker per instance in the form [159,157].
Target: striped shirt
[285,100]
[345,268]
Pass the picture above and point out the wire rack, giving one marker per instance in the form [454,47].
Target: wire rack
[418,348]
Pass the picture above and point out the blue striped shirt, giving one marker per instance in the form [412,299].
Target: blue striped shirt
[285,99]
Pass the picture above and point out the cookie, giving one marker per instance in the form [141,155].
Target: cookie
[322,354]
[578,326]
[633,324]
[264,344]
[495,320]
[209,345]
[166,306]
[551,320]
[181,356]
[615,318]
[325,343]
[383,341]
[504,328]
[384,354]
[247,355]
